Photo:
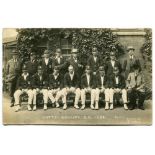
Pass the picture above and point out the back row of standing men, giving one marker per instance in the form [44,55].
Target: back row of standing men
[60,77]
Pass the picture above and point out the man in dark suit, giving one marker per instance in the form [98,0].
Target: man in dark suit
[111,64]
[13,70]
[94,61]
[55,86]
[46,63]
[117,85]
[32,64]
[60,62]
[87,86]
[71,85]
[101,86]
[24,85]
[76,62]
[130,61]
[40,85]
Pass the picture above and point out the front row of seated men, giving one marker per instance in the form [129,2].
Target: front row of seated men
[56,88]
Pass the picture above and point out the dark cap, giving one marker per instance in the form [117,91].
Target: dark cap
[58,50]
[112,53]
[46,52]
[94,49]
[56,68]
[40,68]
[101,68]
[130,48]
[88,67]
[32,53]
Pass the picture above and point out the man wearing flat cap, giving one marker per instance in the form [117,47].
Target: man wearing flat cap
[130,61]
[46,63]
[59,62]
[13,70]
[111,64]
[76,62]
[94,61]
[32,64]
[87,86]
[24,85]
[101,86]
[40,85]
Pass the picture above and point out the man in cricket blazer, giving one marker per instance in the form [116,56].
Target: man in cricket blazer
[46,63]
[87,86]
[75,61]
[94,61]
[71,85]
[40,85]
[60,62]
[117,84]
[24,85]
[55,86]
[101,86]
[111,64]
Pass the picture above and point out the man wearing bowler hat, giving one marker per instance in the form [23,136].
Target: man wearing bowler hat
[40,85]
[87,86]
[32,64]
[101,86]
[59,62]
[94,61]
[13,70]
[117,85]
[46,63]
[24,85]
[130,61]
[55,86]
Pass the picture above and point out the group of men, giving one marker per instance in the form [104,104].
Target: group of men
[55,78]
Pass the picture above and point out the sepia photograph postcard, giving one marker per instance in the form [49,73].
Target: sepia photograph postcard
[77,76]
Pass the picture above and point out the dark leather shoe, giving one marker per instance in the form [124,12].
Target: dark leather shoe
[141,107]
[132,108]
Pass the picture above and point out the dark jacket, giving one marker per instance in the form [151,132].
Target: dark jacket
[55,83]
[76,65]
[32,67]
[129,64]
[94,65]
[109,68]
[47,68]
[71,83]
[121,82]
[84,83]
[41,84]
[24,84]
[99,83]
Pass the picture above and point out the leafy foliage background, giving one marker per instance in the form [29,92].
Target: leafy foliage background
[84,39]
